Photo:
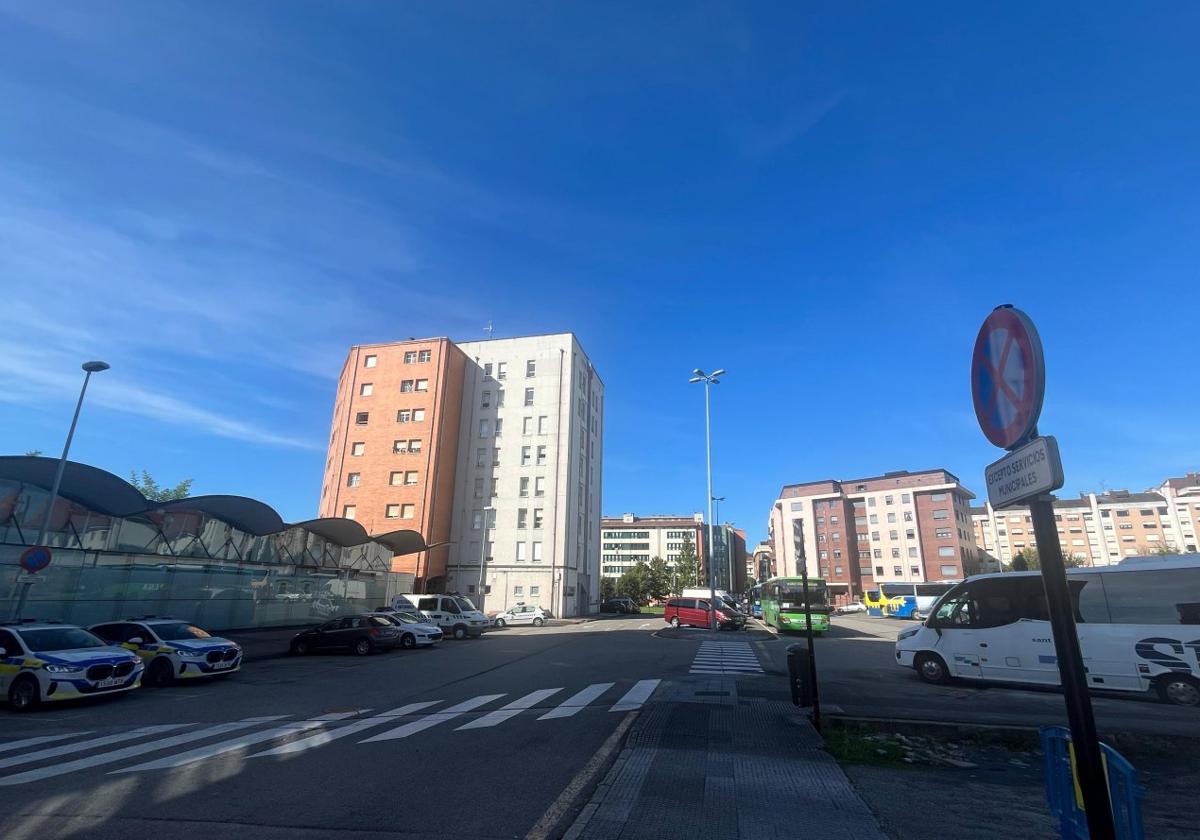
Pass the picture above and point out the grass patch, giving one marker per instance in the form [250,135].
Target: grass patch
[855,746]
[656,610]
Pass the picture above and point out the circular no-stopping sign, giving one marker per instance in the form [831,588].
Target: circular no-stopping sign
[33,560]
[1008,377]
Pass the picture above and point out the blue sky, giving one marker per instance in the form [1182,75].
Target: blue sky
[824,198]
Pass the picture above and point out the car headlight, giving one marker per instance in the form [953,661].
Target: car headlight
[905,634]
[55,668]
[192,654]
[783,620]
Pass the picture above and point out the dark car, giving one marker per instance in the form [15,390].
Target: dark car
[620,605]
[362,634]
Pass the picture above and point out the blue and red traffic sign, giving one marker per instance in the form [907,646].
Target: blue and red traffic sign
[1008,377]
[33,560]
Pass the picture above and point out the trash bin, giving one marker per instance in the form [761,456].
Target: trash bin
[799,674]
[1062,796]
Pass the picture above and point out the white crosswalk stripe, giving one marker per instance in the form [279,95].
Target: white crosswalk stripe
[511,710]
[134,750]
[577,701]
[324,737]
[41,739]
[725,658]
[241,742]
[636,696]
[433,719]
[83,746]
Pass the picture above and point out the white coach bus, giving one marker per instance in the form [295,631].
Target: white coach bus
[1138,624]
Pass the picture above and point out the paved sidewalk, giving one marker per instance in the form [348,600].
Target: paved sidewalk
[703,763]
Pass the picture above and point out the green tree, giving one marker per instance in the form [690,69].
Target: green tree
[687,567]
[150,489]
[1019,563]
[632,584]
[658,579]
[608,588]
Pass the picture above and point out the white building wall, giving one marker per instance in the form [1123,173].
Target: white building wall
[555,445]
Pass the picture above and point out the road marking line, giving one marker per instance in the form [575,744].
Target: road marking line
[81,746]
[433,719]
[583,779]
[136,749]
[41,739]
[212,750]
[324,737]
[636,696]
[573,704]
[511,710]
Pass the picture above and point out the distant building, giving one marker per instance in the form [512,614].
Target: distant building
[898,527]
[761,564]
[629,538]
[1099,529]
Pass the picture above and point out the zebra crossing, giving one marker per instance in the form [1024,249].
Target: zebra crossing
[60,754]
[725,658]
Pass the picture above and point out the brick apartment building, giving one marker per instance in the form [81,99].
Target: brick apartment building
[1098,529]
[899,527]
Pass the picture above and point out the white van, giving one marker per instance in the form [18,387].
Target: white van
[454,614]
[1138,625]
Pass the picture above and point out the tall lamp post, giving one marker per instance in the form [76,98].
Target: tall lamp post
[88,369]
[709,379]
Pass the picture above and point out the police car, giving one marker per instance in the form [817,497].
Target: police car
[172,649]
[48,660]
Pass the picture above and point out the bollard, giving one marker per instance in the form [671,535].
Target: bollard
[798,675]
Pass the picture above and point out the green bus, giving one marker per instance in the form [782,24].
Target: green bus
[783,604]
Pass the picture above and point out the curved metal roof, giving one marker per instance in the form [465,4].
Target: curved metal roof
[101,491]
[245,514]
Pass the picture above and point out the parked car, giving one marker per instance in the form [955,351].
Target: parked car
[620,605]
[172,649]
[521,614]
[456,615]
[362,634]
[854,607]
[414,632]
[47,660]
[695,612]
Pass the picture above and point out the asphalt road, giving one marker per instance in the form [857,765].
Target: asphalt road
[859,678]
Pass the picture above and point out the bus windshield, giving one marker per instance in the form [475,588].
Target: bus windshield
[792,595]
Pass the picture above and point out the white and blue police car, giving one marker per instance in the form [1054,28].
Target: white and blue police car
[172,649]
[44,661]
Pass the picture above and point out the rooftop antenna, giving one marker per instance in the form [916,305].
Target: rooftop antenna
[491,329]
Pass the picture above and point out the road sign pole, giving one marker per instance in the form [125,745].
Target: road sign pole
[21,599]
[802,562]
[1088,759]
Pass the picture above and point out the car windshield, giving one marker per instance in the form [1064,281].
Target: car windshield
[179,631]
[49,639]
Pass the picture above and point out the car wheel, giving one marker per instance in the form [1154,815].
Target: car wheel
[301,648]
[24,694]
[408,640]
[674,621]
[161,672]
[1179,690]
[460,631]
[362,647]
[538,622]
[931,668]
[500,622]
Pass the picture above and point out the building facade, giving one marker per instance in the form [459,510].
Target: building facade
[761,565]
[629,538]
[1099,529]
[502,438]
[900,527]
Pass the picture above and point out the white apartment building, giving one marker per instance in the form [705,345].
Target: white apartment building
[529,453]
[627,539]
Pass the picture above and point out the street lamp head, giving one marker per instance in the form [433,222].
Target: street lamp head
[95,367]
[699,372]
[718,372]
[696,379]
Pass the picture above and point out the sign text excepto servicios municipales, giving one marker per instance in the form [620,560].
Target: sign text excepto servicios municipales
[1024,473]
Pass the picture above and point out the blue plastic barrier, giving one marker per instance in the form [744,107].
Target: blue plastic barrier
[1062,795]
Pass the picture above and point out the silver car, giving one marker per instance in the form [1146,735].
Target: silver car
[414,632]
[521,614]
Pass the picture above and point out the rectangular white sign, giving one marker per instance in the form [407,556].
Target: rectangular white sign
[1024,473]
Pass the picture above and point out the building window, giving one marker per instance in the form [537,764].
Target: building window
[406,386]
[526,455]
[348,511]
[403,416]
[543,424]
[527,426]
[796,506]
[891,517]
[523,490]
[870,501]
[912,551]
[479,488]
[537,517]
[410,357]
[915,571]
[399,447]
[534,590]
[893,535]
[522,551]
[499,424]
[541,455]
[537,551]
[408,511]
[353,479]
[887,500]
[369,361]
[422,384]
[414,445]
[522,517]
[908,516]
[391,512]
[410,477]
[501,370]
[879,571]
[481,456]
[487,400]
[528,396]
[937,497]
[820,520]
[874,519]
[877,553]
[366,389]
[905,498]
[360,419]
[949,571]
[476,520]
[494,486]
[358,448]
[897,571]
[485,428]
[531,368]
[396,479]
[836,536]
[424,355]
[837,554]
[518,590]
[824,555]
[539,486]
[895,553]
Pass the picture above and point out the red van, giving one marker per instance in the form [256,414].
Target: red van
[694,611]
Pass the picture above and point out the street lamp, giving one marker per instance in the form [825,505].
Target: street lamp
[88,368]
[487,521]
[709,379]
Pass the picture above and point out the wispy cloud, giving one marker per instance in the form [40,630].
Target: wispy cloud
[764,140]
